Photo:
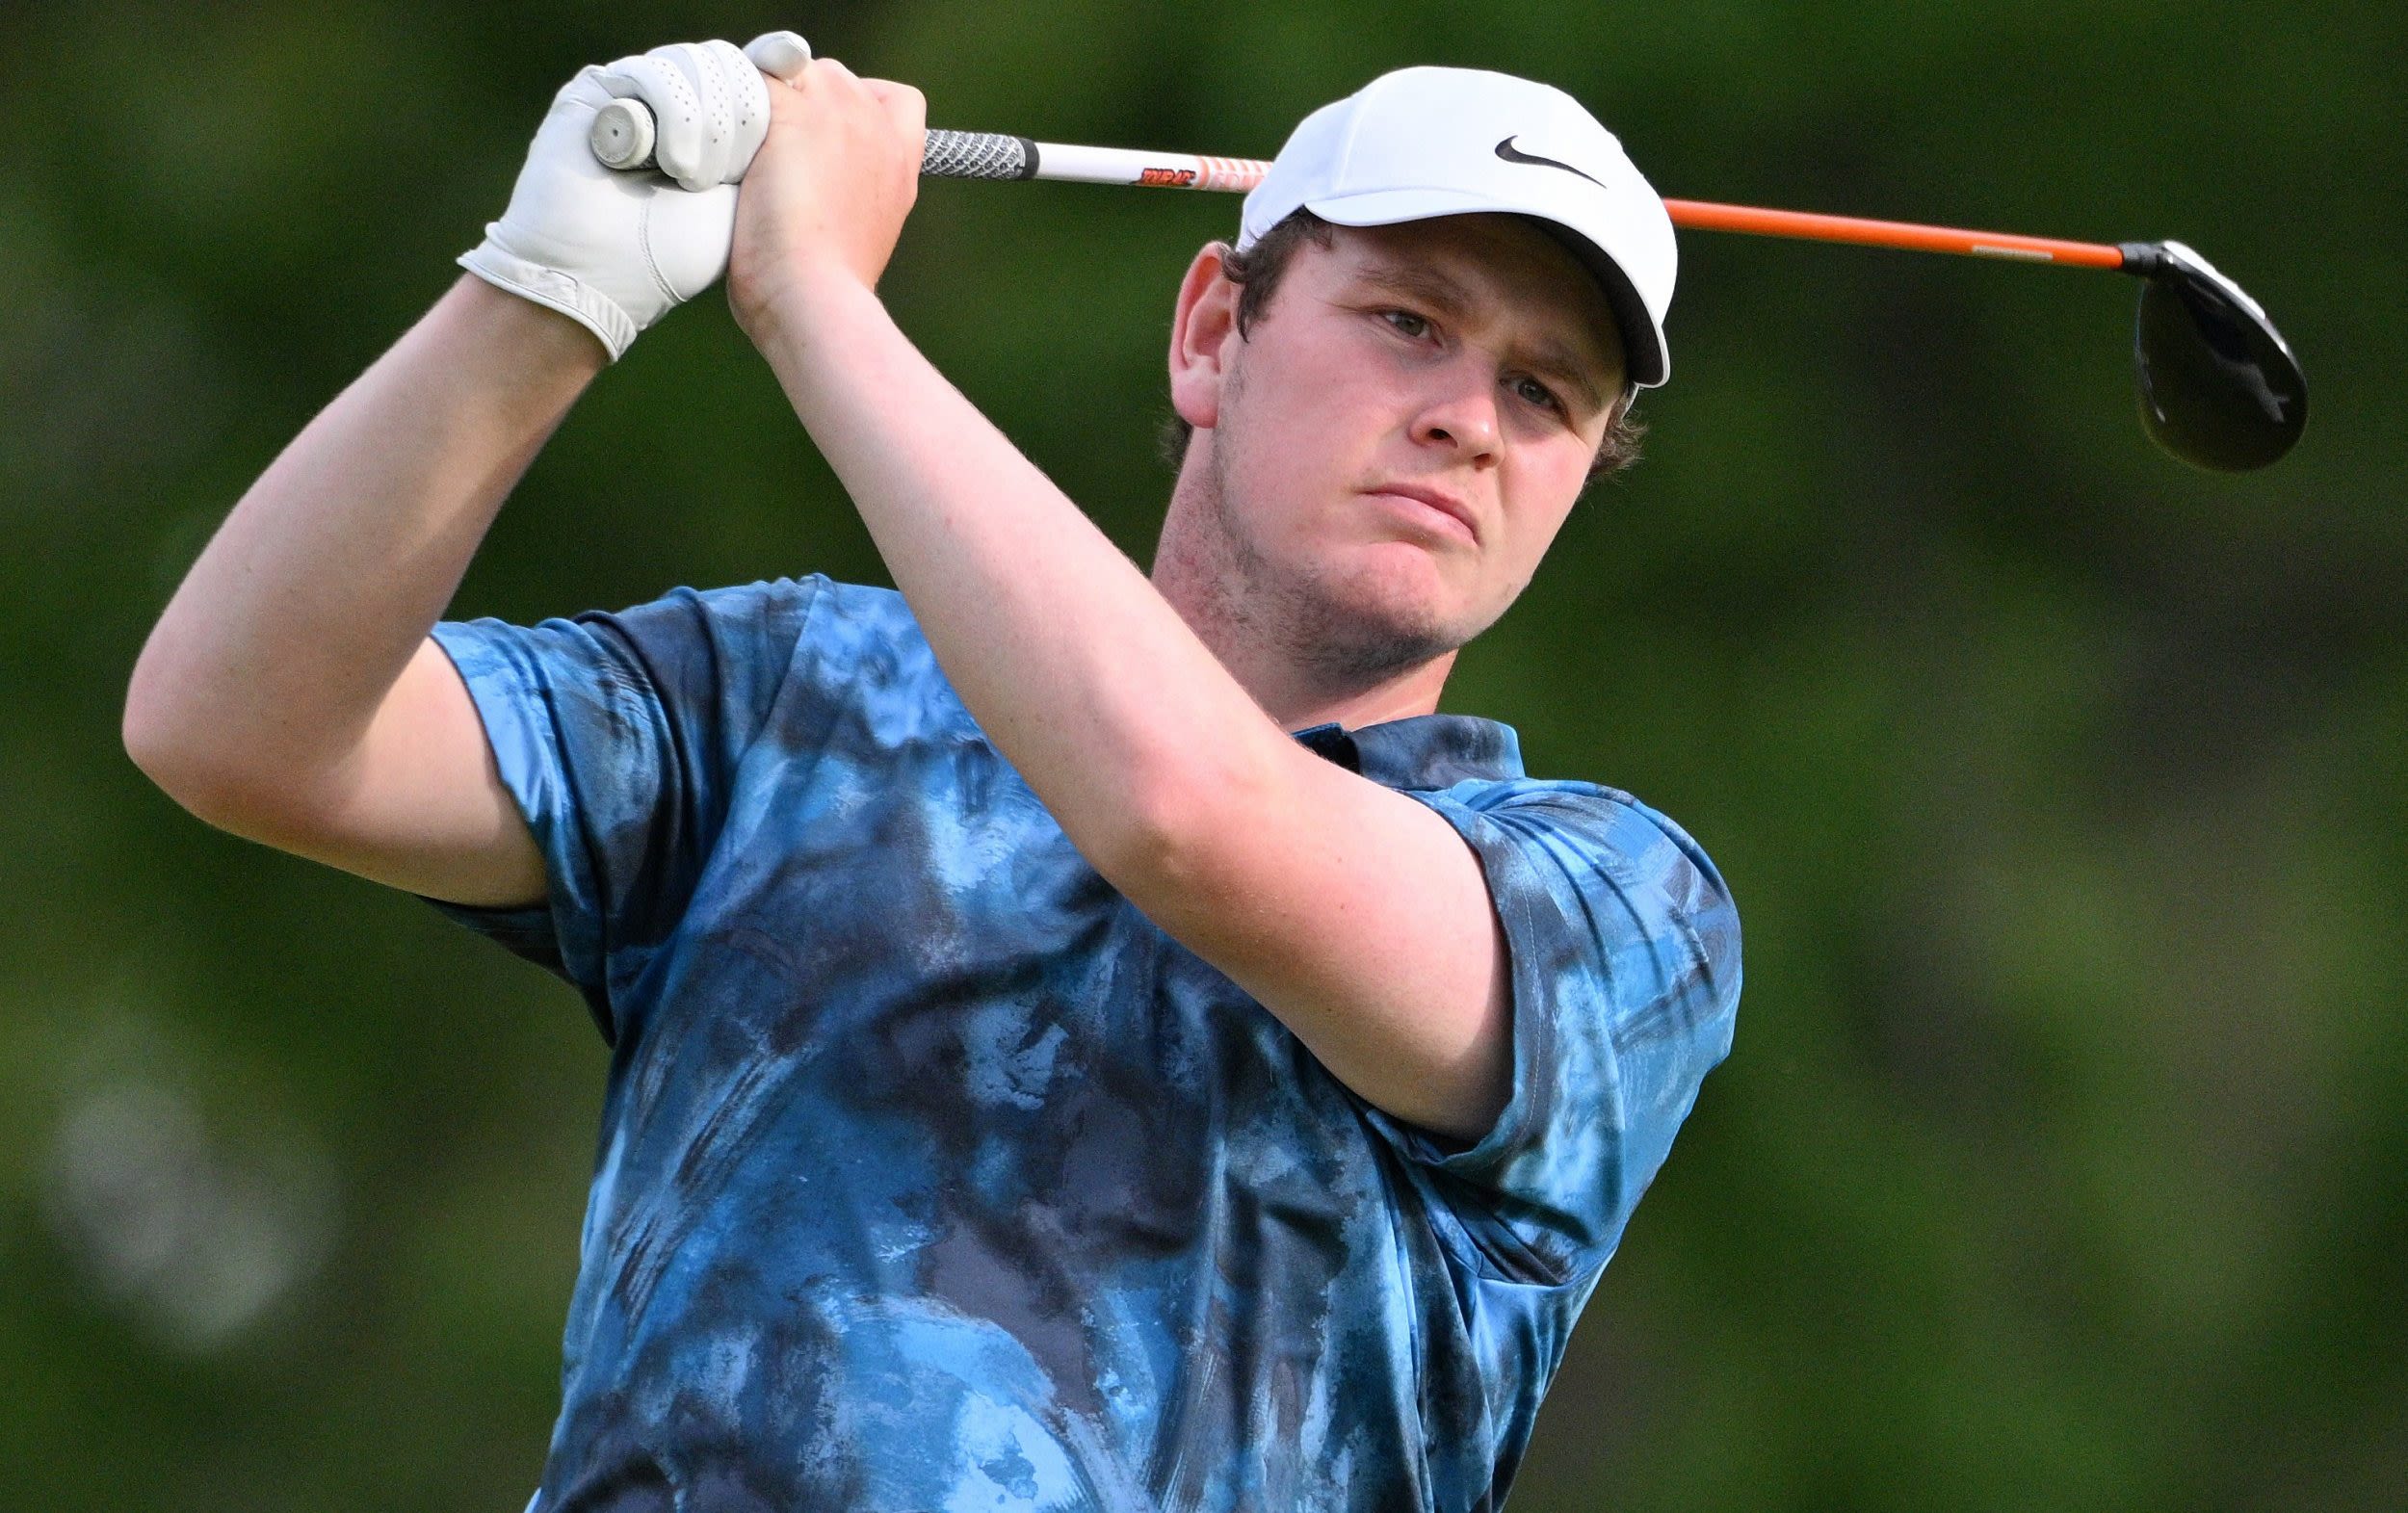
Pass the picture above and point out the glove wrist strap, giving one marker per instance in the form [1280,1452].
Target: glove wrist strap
[595,311]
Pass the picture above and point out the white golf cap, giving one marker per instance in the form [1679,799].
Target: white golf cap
[1448,141]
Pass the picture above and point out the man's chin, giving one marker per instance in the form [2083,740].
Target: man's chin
[1403,587]
[1374,624]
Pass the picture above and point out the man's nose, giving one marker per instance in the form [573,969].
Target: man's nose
[1459,411]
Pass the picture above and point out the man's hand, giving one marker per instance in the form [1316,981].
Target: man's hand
[825,200]
[616,251]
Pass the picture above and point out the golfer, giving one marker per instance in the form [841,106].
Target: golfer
[1079,1039]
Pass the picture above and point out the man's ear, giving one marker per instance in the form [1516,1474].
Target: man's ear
[1202,331]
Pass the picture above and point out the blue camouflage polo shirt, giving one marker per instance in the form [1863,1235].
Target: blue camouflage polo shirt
[933,1176]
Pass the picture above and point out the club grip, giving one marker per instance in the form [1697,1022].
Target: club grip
[977,154]
[623,136]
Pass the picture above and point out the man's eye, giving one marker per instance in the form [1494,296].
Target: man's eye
[1537,393]
[1405,321]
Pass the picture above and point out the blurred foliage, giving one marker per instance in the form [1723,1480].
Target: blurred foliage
[2060,1161]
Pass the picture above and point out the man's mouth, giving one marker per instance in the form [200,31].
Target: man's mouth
[1436,500]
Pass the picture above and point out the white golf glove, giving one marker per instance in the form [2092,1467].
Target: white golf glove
[616,251]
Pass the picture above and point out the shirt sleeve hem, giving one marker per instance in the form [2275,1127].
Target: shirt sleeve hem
[541,932]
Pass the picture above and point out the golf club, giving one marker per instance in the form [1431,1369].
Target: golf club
[2218,385]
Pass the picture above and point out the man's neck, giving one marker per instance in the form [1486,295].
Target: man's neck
[1299,696]
[1297,706]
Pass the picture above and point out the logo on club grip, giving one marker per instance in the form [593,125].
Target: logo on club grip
[1165,178]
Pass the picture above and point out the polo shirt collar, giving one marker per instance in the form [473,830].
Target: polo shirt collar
[1423,750]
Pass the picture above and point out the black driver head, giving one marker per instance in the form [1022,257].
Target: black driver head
[2220,387]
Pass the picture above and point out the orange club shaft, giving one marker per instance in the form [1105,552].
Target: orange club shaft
[1700,215]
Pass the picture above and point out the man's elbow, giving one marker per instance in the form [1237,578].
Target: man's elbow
[185,759]
[156,737]
[1182,831]
[175,770]
[1147,851]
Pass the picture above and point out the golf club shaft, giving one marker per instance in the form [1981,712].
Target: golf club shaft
[951,154]
[991,155]
[2220,387]
[1698,214]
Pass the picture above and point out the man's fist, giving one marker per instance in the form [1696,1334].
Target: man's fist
[827,194]
[616,251]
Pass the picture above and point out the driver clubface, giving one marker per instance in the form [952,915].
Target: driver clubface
[2220,387]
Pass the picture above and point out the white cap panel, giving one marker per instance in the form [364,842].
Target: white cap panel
[1469,141]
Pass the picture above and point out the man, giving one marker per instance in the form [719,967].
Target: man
[1078,1041]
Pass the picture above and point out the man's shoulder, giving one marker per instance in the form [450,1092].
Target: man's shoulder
[777,649]
[814,598]
[814,620]
[1569,797]
[1578,819]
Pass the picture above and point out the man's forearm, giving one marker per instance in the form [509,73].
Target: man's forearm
[294,623]
[1069,658]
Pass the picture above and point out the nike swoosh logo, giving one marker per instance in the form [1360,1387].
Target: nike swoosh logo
[1506,150]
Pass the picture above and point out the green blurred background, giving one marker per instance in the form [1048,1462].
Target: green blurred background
[2060,1162]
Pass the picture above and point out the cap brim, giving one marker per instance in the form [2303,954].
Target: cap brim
[1646,363]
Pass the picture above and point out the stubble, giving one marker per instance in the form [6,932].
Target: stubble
[1340,640]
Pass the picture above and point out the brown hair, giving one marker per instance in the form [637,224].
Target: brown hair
[1256,271]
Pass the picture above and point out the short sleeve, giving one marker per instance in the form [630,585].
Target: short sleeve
[1625,969]
[619,735]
